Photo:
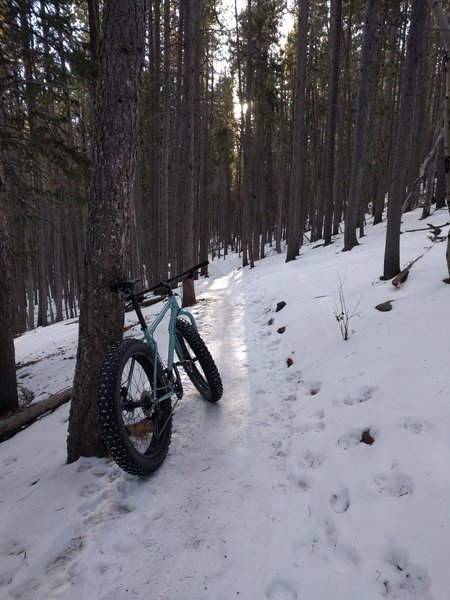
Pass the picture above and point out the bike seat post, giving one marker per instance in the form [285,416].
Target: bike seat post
[137,310]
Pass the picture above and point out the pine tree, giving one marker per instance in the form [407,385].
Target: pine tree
[121,58]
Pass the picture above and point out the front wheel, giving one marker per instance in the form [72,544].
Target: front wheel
[197,361]
[136,429]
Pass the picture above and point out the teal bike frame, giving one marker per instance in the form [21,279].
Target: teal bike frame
[172,306]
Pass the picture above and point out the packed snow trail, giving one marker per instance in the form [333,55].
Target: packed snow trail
[328,478]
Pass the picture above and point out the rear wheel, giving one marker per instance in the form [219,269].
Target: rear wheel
[136,429]
[197,361]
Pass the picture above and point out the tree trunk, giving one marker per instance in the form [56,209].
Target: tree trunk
[445,34]
[327,185]
[362,107]
[190,12]
[121,57]
[407,96]
[8,394]
[440,177]
[444,29]
[295,228]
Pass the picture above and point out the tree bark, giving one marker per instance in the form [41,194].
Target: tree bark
[327,185]
[8,394]
[295,226]
[407,96]
[445,33]
[362,107]
[190,10]
[121,57]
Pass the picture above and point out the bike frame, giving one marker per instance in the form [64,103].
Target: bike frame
[175,312]
[173,307]
[149,330]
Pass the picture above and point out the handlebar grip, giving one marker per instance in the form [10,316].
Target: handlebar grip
[191,272]
[201,265]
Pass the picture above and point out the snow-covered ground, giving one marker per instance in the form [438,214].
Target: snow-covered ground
[273,493]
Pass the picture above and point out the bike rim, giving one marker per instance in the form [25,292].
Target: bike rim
[143,422]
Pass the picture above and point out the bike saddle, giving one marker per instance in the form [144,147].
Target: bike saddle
[126,287]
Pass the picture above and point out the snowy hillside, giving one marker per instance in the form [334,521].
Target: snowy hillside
[324,472]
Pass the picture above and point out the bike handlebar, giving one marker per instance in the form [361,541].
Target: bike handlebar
[189,273]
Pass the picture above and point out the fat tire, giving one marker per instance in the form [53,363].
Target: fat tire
[208,383]
[116,436]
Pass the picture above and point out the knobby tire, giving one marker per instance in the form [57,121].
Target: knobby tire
[136,433]
[198,362]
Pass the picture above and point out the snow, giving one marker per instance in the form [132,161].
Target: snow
[270,494]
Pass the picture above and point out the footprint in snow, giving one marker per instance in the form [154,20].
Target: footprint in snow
[413,425]
[13,557]
[355,437]
[65,556]
[290,398]
[360,396]
[311,461]
[279,450]
[322,544]
[394,484]
[105,493]
[340,500]
[281,589]
[400,578]
[312,388]
[294,376]
[89,489]
[311,426]
[304,484]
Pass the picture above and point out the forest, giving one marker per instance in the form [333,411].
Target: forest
[179,130]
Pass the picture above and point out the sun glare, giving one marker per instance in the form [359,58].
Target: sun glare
[237,109]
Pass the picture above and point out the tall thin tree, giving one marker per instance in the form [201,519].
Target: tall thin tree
[327,183]
[8,394]
[295,226]
[190,11]
[121,58]
[362,111]
[399,166]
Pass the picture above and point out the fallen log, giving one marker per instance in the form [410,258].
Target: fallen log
[403,275]
[26,416]
[429,228]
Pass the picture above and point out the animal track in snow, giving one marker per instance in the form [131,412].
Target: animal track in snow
[279,450]
[340,500]
[413,425]
[13,556]
[311,461]
[290,398]
[311,388]
[355,437]
[89,489]
[75,546]
[360,396]
[315,426]
[394,484]
[400,578]
[281,589]
[322,544]
[301,482]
